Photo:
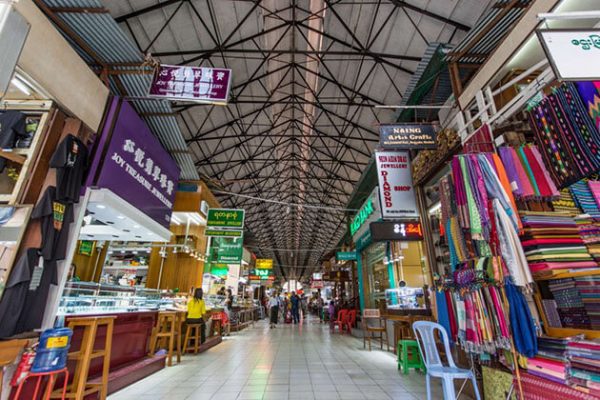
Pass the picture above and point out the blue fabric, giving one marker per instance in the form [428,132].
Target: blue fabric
[442,309]
[521,322]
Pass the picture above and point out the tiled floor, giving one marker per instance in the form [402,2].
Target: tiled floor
[290,362]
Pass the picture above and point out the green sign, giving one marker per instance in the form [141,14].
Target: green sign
[362,216]
[219,269]
[225,218]
[223,233]
[226,250]
[345,256]
[86,247]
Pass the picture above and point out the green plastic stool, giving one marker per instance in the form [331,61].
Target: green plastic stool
[409,356]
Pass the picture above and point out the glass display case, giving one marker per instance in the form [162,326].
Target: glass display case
[405,298]
[94,298]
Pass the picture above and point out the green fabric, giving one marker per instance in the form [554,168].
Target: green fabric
[528,170]
[476,228]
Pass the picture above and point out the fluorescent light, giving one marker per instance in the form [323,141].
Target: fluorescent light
[120,217]
[435,208]
[100,206]
[21,86]
[136,226]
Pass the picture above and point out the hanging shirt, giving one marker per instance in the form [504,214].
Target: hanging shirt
[56,217]
[15,292]
[12,124]
[70,160]
[37,297]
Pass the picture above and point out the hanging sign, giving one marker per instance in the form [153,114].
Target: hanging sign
[225,218]
[264,263]
[345,256]
[396,191]
[407,136]
[574,54]
[230,251]
[370,211]
[197,84]
[220,270]
[223,233]
[336,276]
[409,230]
[361,217]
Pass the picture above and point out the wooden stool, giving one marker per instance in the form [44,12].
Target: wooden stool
[166,329]
[192,330]
[80,388]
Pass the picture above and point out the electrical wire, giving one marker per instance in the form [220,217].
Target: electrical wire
[297,205]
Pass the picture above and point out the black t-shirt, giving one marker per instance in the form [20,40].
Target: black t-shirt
[70,160]
[36,298]
[15,292]
[56,216]
[12,124]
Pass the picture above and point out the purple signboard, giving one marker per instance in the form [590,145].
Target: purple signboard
[132,163]
[191,83]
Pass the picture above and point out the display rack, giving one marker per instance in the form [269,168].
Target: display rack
[25,157]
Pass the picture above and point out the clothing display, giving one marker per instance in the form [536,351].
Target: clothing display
[37,297]
[15,294]
[12,126]
[585,199]
[584,365]
[71,161]
[55,216]
[566,134]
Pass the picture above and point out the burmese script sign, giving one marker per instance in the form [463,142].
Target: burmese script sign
[407,136]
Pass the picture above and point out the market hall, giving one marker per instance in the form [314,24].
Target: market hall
[300,199]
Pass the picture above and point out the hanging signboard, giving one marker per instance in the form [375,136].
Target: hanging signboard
[370,211]
[407,136]
[225,218]
[14,29]
[396,191]
[564,46]
[409,230]
[264,263]
[336,276]
[345,256]
[197,84]
[223,233]
[230,251]
[220,270]
[317,285]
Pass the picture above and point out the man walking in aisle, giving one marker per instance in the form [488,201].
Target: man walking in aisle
[295,300]
[274,309]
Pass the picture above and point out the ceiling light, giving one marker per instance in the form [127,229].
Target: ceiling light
[100,206]
[136,226]
[21,86]
[120,217]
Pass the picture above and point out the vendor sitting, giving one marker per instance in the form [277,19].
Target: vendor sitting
[196,309]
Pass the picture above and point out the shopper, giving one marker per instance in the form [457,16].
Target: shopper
[274,310]
[196,309]
[295,301]
[331,312]
[320,307]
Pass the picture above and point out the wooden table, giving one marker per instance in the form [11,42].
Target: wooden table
[403,326]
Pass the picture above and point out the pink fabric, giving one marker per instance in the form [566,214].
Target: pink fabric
[526,189]
[536,267]
[595,189]
[538,157]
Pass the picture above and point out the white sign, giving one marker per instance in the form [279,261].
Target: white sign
[574,54]
[396,191]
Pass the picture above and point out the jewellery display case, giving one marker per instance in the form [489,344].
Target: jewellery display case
[405,298]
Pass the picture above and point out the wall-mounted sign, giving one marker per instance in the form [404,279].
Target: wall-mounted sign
[264,263]
[407,136]
[223,233]
[86,247]
[574,54]
[336,276]
[368,212]
[361,217]
[396,191]
[198,84]
[409,230]
[131,162]
[345,256]
[225,218]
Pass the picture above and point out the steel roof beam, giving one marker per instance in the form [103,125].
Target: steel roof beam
[404,4]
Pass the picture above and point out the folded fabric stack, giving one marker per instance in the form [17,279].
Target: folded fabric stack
[552,242]
[584,365]
[566,203]
[589,289]
[570,306]
[551,360]
[585,199]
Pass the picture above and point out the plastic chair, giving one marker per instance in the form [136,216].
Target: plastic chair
[351,320]
[425,335]
[341,321]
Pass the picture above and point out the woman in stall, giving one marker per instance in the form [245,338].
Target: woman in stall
[196,309]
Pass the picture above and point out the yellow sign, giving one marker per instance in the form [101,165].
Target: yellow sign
[57,342]
[264,263]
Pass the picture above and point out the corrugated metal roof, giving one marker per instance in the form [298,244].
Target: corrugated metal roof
[476,48]
[112,46]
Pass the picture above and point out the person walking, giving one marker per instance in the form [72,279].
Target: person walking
[295,301]
[274,310]
[196,309]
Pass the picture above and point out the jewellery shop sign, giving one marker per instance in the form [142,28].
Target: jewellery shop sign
[396,190]
[407,136]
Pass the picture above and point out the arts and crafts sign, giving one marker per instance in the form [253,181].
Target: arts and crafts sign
[407,136]
[396,191]
[198,84]
[131,162]
[564,46]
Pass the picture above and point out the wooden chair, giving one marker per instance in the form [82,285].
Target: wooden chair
[80,387]
[192,332]
[166,329]
[368,330]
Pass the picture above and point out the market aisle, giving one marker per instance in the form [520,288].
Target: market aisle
[289,362]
